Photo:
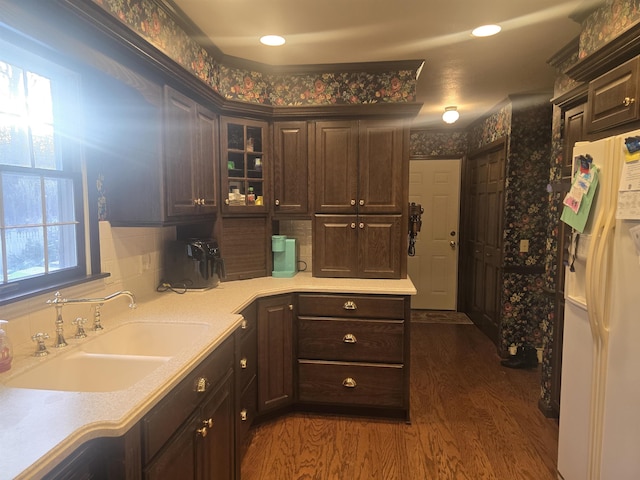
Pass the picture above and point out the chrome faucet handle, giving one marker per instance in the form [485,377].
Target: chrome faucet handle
[97,320]
[41,348]
[79,323]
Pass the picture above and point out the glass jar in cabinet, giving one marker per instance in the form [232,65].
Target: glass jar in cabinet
[244,165]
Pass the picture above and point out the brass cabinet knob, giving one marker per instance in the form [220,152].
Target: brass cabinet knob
[628,101]
[353,225]
[226,201]
[349,383]
[361,225]
[244,415]
[207,424]
[244,325]
[353,202]
[349,338]
[350,305]
[361,202]
[277,202]
[202,384]
[243,363]
[291,306]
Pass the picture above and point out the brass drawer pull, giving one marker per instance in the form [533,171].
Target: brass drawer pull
[350,305]
[349,383]
[243,415]
[202,384]
[243,363]
[628,101]
[349,338]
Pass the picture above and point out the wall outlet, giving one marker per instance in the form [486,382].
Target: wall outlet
[524,246]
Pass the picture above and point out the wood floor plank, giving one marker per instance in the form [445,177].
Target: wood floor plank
[471,419]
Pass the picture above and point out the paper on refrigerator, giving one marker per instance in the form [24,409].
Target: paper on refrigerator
[629,192]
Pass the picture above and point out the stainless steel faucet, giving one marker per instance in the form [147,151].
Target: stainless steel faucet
[58,302]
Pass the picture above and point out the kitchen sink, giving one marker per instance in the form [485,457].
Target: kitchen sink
[146,338]
[87,372]
[112,360]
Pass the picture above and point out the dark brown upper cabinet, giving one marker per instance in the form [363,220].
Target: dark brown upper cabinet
[244,166]
[190,146]
[291,182]
[613,97]
[359,166]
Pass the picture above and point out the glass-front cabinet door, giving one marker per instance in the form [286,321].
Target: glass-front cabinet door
[244,165]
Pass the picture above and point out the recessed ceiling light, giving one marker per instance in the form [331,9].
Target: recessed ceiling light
[486,30]
[450,114]
[272,40]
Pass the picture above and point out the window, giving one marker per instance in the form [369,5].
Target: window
[41,209]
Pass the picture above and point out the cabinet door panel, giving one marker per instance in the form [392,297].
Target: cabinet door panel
[335,247]
[381,167]
[179,153]
[613,97]
[336,159]
[290,168]
[216,448]
[379,241]
[178,458]
[275,353]
[207,178]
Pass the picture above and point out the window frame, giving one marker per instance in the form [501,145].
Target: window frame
[67,93]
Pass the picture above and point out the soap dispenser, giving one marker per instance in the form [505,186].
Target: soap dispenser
[6,353]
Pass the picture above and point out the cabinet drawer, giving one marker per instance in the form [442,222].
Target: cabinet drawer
[247,359]
[159,424]
[374,385]
[351,306]
[351,340]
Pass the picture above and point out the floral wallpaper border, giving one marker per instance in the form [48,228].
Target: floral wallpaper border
[152,23]
[606,23]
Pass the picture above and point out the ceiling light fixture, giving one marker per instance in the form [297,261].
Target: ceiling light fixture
[272,40]
[486,30]
[450,114]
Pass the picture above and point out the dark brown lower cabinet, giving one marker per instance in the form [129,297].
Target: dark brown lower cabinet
[275,353]
[203,446]
[190,433]
[353,353]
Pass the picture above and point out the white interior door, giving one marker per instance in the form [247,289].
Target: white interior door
[435,184]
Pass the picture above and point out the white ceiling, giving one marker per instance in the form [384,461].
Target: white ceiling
[474,74]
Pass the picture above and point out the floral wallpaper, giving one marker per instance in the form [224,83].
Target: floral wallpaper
[607,23]
[524,303]
[492,128]
[151,22]
[425,143]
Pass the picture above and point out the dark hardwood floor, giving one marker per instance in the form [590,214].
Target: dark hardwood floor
[471,419]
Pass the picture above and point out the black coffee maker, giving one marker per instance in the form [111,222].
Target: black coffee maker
[194,264]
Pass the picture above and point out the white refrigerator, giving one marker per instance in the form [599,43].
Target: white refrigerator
[599,426]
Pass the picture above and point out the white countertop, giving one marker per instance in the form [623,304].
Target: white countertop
[39,428]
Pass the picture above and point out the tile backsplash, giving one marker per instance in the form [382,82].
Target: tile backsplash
[301,231]
[132,256]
